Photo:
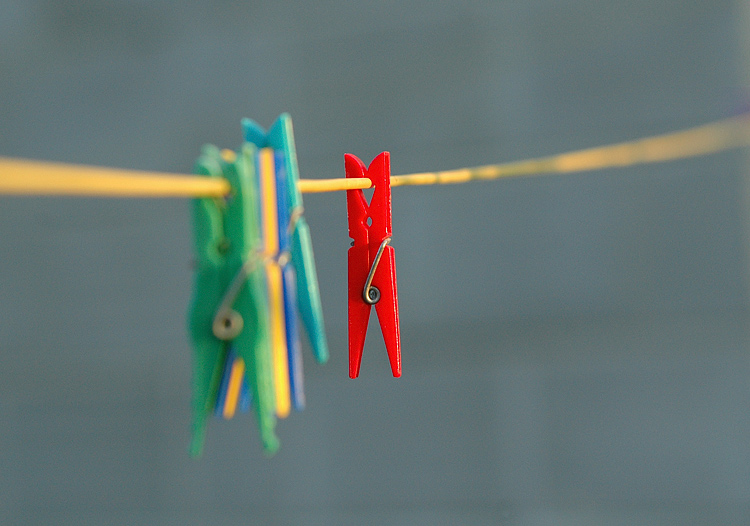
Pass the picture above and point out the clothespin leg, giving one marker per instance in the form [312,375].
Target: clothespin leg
[278,341]
[221,395]
[294,349]
[253,345]
[208,357]
[387,307]
[359,311]
[234,387]
[308,295]
[246,399]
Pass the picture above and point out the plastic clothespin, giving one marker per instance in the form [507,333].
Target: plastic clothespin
[372,263]
[294,348]
[280,137]
[229,301]
[270,228]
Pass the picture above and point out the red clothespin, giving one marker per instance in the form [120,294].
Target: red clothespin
[372,262]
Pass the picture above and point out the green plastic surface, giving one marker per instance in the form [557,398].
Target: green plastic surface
[226,232]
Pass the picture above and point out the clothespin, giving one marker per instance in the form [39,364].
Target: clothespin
[280,137]
[372,263]
[294,348]
[229,302]
[270,229]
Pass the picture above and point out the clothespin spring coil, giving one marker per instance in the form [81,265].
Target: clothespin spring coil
[371,294]
[228,323]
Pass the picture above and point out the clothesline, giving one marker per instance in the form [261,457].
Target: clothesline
[256,283]
[26,177]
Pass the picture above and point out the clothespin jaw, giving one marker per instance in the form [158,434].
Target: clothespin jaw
[228,305]
[280,137]
[372,262]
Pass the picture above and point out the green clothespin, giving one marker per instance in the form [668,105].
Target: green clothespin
[281,137]
[229,301]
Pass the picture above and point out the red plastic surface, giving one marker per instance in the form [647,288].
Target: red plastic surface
[367,240]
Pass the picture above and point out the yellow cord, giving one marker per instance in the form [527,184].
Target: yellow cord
[22,177]
[310,186]
[693,142]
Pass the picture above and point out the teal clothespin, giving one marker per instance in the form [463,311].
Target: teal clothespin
[281,137]
[229,300]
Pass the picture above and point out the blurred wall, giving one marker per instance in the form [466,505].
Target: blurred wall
[574,347]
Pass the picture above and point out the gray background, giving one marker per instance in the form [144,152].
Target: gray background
[574,348]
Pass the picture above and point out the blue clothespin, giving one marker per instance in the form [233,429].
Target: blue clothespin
[294,349]
[280,137]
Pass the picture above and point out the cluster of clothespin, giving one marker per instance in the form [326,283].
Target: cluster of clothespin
[255,271]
